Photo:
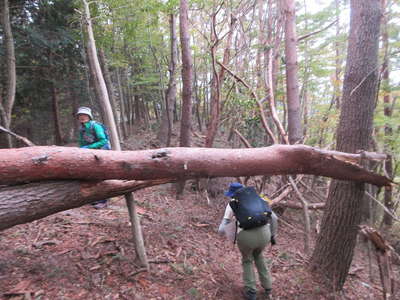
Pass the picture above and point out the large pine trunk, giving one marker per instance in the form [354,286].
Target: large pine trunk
[46,163]
[335,244]
[24,203]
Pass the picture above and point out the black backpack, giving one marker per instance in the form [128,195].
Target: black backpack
[250,209]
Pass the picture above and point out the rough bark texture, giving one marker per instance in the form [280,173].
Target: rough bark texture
[334,248]
[24,203]
[292,86]
[187,75]
[187,83]
[45,163]
[7,104]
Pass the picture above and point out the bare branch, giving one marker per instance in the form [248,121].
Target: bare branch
[18,137]
[316,32]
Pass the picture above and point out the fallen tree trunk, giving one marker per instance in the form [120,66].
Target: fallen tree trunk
[48,163]
[28,202]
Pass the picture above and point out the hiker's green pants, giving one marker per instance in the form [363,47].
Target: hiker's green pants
[251,243]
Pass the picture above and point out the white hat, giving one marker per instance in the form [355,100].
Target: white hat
[85,111]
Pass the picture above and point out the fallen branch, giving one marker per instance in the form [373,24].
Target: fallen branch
[242,138]
[383,255]
[18,137]
[306,216]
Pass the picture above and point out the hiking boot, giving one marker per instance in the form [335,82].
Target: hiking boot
[267,294]
[249,295]
[100,205]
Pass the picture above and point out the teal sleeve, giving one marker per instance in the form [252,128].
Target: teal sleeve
[101,136]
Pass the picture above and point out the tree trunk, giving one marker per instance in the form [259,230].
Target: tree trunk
[137,231]
[122,103]
[187,82]
[292,87]
[187,76]
[387,102]
[335,244]
[28,202]
[110,89]
[98,80]
[338,60]
[103,93]
[218,79]
[46,163]
[7,104]
[56,115]
[165,132]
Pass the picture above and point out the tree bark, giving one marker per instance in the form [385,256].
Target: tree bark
[7,104]
[56,115]
[387,111]
[187,75]
[137,231]
[292,87]
[110,89]
[187,82]
[335,244]
[98,79]
[164,134]
[46,163]
[25,203]
[122,104]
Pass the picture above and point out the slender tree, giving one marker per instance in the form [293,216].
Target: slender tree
[164,134]
[387,111]
[292,85]
[7,103]
[335,244]
[102,92]
[187,81]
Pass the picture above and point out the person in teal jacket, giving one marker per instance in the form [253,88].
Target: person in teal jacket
[92,135]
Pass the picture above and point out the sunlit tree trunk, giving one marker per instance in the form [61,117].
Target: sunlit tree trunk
[187,81]
[292,86]
[338,59]
[110,88]
[98,79]
[107,109]
[387,102]
[335,244]
[7,102]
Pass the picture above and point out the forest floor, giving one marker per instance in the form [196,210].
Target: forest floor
[86,253]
